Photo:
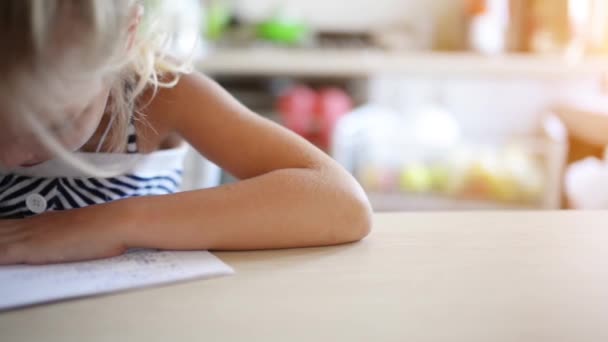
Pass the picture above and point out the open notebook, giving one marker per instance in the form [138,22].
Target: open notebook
[28,285]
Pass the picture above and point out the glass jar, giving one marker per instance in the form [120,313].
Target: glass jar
[488,26]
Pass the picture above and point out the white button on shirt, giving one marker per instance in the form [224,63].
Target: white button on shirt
[36,203]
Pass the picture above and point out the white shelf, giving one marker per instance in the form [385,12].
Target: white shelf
[402,202]
[366,63]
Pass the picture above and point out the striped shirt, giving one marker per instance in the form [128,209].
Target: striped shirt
[54,186]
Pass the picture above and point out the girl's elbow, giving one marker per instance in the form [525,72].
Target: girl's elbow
[345,210]
[355,223]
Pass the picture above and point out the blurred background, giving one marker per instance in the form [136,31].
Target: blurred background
[432,105]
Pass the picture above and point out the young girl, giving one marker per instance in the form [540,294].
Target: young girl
[93,123]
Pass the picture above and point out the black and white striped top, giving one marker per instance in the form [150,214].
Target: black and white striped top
[54,186]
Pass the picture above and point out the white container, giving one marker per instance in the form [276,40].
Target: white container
[489,30]
[184,20]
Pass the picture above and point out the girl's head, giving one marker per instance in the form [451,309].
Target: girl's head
[66,64]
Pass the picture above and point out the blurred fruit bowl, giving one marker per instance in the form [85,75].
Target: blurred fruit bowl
[510,176]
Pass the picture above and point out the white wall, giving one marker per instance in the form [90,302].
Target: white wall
[487,108]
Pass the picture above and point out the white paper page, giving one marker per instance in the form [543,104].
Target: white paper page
[28,285]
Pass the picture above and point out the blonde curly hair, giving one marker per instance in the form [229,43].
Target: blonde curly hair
[54,47]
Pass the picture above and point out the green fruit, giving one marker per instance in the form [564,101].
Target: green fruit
[218,19]
[441,178]
[282,31]
[416,178]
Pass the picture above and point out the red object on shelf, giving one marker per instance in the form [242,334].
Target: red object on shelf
[332,104]
[314,115]
[296,107]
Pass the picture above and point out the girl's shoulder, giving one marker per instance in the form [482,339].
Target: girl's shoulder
[154,121]
[194,104]
[163,108]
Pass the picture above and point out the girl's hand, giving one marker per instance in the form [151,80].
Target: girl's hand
[57,237]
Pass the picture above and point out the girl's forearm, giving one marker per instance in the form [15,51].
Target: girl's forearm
[282,209]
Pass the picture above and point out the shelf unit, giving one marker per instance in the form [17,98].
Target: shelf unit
[363,63]
[366,64]
[398,202]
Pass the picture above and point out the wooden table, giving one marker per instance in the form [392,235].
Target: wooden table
[487,277]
